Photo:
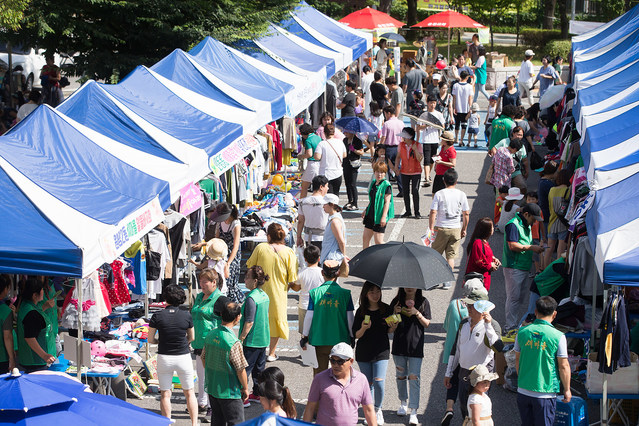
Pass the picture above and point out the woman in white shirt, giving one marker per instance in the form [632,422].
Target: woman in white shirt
[330,154]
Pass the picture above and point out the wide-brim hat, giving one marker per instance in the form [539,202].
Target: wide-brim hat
[220,213]
[448,136]
[475,296]
[514,194]
[418,43]
[216,249]
[479,373]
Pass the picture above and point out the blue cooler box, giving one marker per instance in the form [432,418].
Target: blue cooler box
[573,413]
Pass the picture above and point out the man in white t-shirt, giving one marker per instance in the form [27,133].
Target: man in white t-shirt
[429,135]
[311,217]
[525,77]
[449,213]
[330,154]
[462,100]
[367,79]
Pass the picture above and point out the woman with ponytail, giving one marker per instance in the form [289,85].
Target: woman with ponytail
[277,399]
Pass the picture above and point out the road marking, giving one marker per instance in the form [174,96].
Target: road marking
[397,229]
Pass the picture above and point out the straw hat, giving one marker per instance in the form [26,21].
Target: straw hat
[418,43]
[216,249]
[448,136]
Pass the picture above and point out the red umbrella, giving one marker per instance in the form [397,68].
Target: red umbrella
[370,19]
[448,19]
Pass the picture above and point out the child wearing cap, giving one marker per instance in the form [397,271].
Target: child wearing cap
[480,408]
[473,124]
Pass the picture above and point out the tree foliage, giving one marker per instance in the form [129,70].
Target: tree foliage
[11,13]
[111,37]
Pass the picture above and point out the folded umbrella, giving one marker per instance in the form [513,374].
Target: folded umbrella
[356,125]
[400,264]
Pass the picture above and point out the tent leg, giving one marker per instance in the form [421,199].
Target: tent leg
[78,287]
[448,58]
[359,73]
[146,315]
[604,401]
[189,253]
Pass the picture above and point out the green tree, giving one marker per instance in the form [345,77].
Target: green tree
[11,13]
[111,37]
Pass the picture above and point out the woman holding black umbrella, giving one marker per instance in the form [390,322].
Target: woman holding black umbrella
[408,347]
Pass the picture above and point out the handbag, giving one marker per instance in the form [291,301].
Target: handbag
[153,260]
[489,174]
[356,164]
[536,162]
[562,211]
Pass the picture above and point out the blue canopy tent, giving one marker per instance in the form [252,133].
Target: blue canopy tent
[186,71]
[616,26]
[596,60]
[323,27]
[81,188]
[219,60]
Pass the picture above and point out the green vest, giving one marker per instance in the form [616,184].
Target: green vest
[5,311]
[538,344]
[379,201]
[330,324]
[51,315]
[204,320]
[548,280]
[522,260]
[260,335]
[220,377]
[26,356]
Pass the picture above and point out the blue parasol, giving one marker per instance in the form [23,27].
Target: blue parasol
[393,36]
[356,125]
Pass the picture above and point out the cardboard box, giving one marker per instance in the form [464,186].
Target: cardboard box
[623,381]
[496,60]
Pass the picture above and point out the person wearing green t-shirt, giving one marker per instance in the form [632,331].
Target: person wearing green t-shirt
[310,141]
[205,319]
[7,353]
[502,126]
[225,369]
[329,318]
[542,363]
[254,329]
[33,329]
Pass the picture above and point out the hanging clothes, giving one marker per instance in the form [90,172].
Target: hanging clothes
[138,258]
[289,134]
[180,234]
[158,244]
[614,346]
[277,144]
[118,291]
[93,306]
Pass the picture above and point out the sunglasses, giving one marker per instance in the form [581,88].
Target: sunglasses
[338,361]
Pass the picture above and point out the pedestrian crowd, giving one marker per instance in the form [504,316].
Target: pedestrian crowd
[233,336]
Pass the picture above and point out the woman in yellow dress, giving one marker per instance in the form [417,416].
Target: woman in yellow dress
[280,263]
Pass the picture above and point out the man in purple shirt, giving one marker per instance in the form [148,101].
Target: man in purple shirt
[337,393]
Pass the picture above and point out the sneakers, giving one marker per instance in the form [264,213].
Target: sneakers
[402,410]
[272,358]
[247,403]
[447,285]
[417,216]
[380,417]
[407,214]
[253,398]
[413,418]
[447,418]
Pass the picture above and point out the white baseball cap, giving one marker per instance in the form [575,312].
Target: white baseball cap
[331,198]
[529,52]
[342,350]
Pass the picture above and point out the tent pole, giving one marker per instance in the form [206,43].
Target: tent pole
[604,401]
[448,58]
[78,287]
[359,73]
[189,253]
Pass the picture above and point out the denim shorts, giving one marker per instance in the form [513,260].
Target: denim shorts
[558,236]
[473,130]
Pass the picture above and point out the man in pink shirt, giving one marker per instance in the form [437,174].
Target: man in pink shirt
[337,393]
[392,127]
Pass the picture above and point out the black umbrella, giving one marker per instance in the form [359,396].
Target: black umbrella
[393,36]
[396,264]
